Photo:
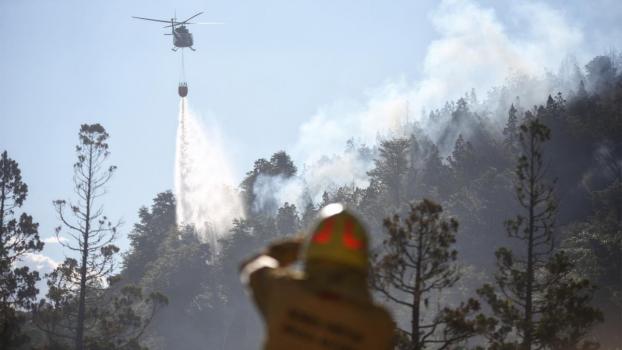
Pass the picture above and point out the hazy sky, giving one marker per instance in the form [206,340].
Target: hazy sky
[270,78]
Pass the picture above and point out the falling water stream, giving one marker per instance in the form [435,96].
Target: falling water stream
[204,183]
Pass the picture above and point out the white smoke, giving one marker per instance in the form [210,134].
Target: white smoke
[204,183]
[475,50]
[272,191]
[328,173]
[325,174]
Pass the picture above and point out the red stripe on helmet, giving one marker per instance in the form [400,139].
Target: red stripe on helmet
[325,233]
[349,238]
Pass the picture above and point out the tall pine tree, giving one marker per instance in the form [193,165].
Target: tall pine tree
[537,302]
[18,236]
[418,262]
[92,233]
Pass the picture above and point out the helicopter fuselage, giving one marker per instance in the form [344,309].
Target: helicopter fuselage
[182,37]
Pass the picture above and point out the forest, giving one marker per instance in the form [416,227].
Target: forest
[486,234]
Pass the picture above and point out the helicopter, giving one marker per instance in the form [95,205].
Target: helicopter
[182,37]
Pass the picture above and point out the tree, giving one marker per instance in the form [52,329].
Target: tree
[287,219]
[148,234]
[595,245]
[541,304]
[391,167]
[18,236]
[601,73]
[280,165]
[91,232]
[117,321]
[56,315]
[124,321]
[463,161]
[419,261]
[172,260]
[436,176]
[237,315]
[510,131]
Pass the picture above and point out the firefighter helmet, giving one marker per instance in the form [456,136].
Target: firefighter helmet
[339,238]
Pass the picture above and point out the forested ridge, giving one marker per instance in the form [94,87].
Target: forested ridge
[478,177]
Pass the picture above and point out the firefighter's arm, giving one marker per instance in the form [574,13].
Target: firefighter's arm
[278,254]
[258,272]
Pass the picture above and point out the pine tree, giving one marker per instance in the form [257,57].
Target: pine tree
[287,219]
[280,165]
[463,161]
[541,304]
[391,167]
[595,245]
[148,234]
[116,321]
[86,302]
[417,263]
[436,176]
[510,132]
[18,236]
[601,73]
[91,232]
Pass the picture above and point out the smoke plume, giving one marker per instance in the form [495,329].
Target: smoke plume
[475,51]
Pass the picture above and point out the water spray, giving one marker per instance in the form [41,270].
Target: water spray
[205,189]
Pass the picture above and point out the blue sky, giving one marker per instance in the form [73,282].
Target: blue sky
[266,78]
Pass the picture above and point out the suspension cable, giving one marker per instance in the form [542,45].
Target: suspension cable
[183,67]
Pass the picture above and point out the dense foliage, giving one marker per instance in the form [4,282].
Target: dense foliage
[18,237]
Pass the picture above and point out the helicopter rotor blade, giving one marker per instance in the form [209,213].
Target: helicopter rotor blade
[186,23]
[151,19]
[192,17]
[174,24]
